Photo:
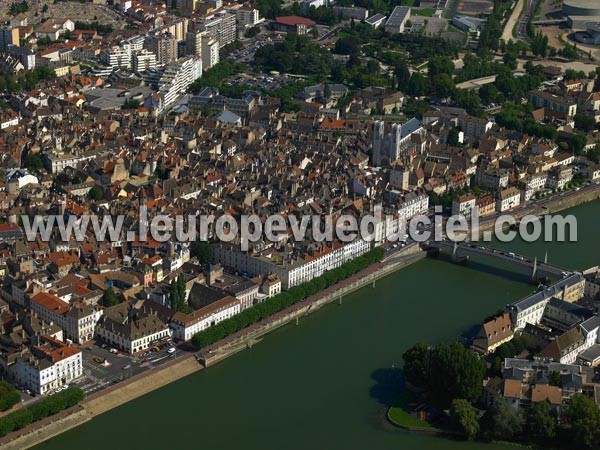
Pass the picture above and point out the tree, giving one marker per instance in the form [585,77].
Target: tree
[131,103]
[502,421]
[584,122]
[438,65]
[594,154]
[9,396]
[554,378]
[444,85]
[202,251]
[34,161]
[95,193]
[464,418]
[454,372]
[584,417]
[178,293]
[453,137]
[541,421]
[415,364]
[109,298]
[402,77]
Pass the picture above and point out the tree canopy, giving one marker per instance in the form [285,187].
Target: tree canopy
[584,418]
[464,418]
[109,298]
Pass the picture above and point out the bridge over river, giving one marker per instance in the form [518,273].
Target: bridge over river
[461,251]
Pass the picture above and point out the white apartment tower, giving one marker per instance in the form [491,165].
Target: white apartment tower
[210,53]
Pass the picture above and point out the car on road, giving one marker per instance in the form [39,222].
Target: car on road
[171,350]
[127,366]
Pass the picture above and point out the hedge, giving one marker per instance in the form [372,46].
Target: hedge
[287,298]
[43,408]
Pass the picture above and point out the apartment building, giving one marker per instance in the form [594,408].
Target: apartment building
[549,100]
[184,326]
[508,199]
[247,16]
[463,205]
[292,269]
[143,60]
[474,127]
[164,46]
[47,367]
[210,53]
[491,178]
[132,326]
[222,27]
[8,36]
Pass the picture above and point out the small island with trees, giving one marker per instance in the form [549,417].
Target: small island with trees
[449,389]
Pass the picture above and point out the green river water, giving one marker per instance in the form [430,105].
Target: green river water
[326,383]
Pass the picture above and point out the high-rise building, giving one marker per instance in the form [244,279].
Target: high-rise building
[247,16]
[193,43]
[177,77]
[164,46]
[222,27]
[143,61]
[210,53]
[8,36]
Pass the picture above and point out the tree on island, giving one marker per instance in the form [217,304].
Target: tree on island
[501,421]
[109,298]
[584,418]
[415,364]
[454,372]
[464,418]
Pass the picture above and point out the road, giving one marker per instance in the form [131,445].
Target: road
[512,21]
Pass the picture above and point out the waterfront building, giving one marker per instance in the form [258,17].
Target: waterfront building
[508,198]
[565,348]
[184,326]
[292,269]
[493,334]
[132,326]
[463,204]
[531,308]
[47,367]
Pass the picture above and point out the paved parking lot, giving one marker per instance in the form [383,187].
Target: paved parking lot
[102,368]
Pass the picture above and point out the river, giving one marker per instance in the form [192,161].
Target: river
[326,383]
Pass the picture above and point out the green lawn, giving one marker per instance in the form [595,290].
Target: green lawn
[409,2]
[399,414]
[426,12]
